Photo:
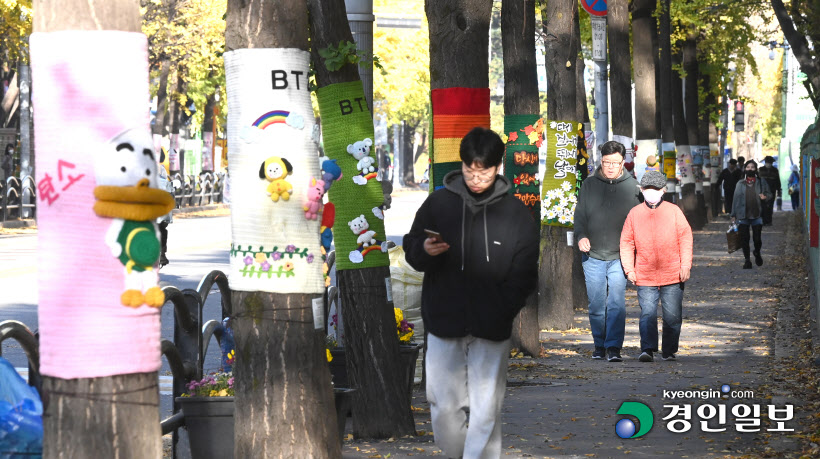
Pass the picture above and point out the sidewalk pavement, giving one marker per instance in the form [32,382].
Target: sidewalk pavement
[738,325]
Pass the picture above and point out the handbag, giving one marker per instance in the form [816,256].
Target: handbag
[793,189]
[733,239]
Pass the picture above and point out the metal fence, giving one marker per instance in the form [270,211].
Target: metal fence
[185,354]
[190,190]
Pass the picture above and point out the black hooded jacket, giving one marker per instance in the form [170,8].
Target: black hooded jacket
[477,286]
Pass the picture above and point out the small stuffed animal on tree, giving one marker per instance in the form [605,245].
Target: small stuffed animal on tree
[313,206]
[275,170]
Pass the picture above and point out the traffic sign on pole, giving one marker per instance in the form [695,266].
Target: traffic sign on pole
[595,7]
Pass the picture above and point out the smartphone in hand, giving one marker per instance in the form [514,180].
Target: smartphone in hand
[435,235]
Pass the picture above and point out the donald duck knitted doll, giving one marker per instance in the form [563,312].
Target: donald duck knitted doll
[128,193]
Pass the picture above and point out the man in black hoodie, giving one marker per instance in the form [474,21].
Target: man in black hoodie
[476,279]
[605,200]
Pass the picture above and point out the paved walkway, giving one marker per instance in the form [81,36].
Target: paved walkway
[564,404]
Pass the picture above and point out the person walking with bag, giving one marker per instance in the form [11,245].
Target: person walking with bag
[656,252]
[747,210]
[794,187]
[729,178]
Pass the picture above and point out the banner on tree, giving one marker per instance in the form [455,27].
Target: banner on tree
[455,112]
[560,191]
[97,201]
[352,169]
[275,243]
[523,135]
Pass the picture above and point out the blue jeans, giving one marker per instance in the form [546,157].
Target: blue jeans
[671,298]
[606,287]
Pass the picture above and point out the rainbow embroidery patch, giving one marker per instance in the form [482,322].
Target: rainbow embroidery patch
[274,117]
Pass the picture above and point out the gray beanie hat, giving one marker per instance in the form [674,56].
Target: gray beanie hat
[654,179]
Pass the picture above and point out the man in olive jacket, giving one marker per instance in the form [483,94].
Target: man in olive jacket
[605,200]
[476,280]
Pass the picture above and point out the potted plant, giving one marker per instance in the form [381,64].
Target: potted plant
[408,351]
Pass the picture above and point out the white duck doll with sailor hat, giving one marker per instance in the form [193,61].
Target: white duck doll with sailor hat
[127,192]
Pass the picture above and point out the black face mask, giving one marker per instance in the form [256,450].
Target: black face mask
[751,173]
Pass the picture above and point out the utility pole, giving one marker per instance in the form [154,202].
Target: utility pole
[597,12]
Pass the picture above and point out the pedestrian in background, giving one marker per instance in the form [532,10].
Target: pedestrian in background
[8,161]
[794,187]
[771,175]
[747,209]
[656,252]
[605,199]
[729,178]
[478,271]
[165,183]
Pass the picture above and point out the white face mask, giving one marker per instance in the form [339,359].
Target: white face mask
[652,196]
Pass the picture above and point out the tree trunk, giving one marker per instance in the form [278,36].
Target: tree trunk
[176,120]
[161,119]
[208,135]
[381,408]
[666,103]
[409,134]
[562,44]
[620,77]
[692,108]
[457,28]
[646,126]
[800,48]
[283,385]
[688,201]
[580,300]
[521,98]
[711,159]
[111,416]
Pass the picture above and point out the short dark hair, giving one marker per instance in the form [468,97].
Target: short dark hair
[751,161]
[613,147]
[481,146]
[733,161]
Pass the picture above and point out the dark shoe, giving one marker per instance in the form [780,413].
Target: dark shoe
[163,260]
[669,357]
[598,353]
[748,264]
[613,354]
[646,356]
[758,259]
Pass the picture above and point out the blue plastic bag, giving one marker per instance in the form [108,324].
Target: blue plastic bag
[21,416]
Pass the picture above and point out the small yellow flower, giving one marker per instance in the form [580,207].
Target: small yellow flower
[261,257]
[288,267]
[213,393]
[223,393]
[329,355]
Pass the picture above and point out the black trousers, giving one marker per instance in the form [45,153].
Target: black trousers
[767,211]
[163,233]
[744,238]
[728,199]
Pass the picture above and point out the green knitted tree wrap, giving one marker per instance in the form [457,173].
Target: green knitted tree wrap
[346,120]
[521,162]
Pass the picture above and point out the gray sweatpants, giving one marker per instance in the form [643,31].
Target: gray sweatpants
[467,374]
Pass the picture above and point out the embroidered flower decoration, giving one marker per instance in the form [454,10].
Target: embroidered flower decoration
[276,256]
[261,257]
[265,266]
[290,249]
[288,267]
[248,260]
[309,258]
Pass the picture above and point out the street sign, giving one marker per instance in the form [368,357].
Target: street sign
[598,38]
[595,7]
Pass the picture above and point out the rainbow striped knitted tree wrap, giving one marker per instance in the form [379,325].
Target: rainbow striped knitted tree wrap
[455,112]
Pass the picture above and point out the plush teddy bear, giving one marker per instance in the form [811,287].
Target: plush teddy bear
[361,151]
[360,226]
[315,191]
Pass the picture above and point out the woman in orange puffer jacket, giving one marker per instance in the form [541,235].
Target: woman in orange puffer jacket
[656,254]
